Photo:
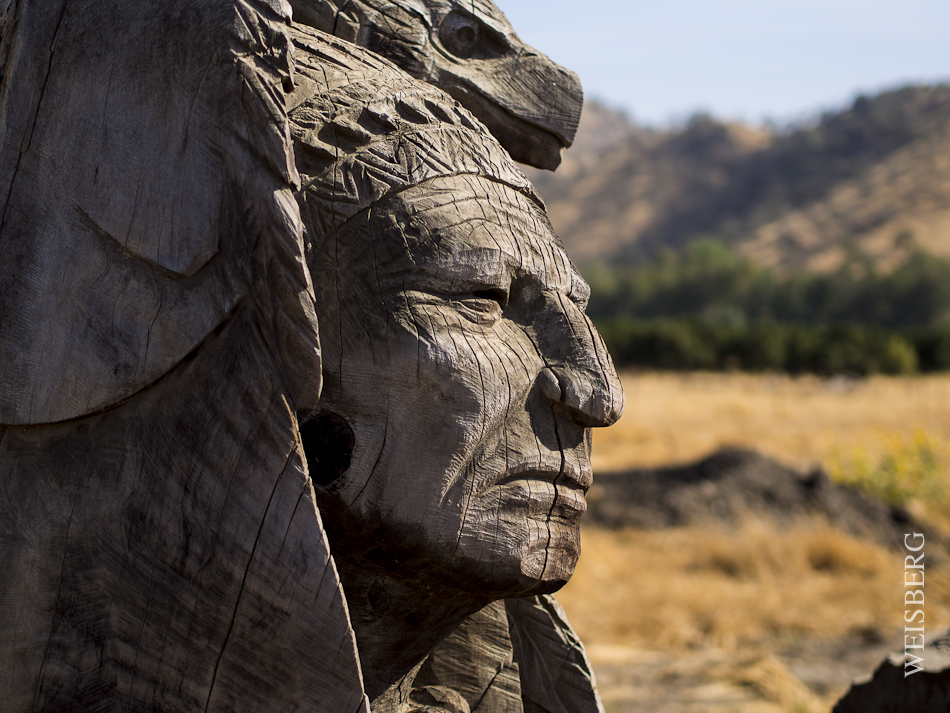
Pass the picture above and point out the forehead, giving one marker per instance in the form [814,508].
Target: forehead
[473,229]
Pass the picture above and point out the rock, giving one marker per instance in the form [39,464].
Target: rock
[892,690]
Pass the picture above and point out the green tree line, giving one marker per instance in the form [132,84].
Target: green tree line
[706,307]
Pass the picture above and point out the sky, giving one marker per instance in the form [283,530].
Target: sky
[751,60]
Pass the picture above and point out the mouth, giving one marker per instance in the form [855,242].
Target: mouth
[551,470]
[555,491]
[527,142]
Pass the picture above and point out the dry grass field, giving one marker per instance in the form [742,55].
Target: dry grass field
[802,421]
[750,619]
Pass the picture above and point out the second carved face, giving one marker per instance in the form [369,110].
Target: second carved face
[462,378]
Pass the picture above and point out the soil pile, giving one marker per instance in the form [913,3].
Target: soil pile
[733,485]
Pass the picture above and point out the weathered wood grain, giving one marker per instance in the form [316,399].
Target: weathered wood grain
[557,676]
[144,151]
[168,555]
[513,656]
[469,49]
[477,661]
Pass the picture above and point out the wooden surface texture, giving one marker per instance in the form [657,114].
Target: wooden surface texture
[161,546]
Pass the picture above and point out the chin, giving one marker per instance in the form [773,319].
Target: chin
[548,561]
[539,560]
[551,565]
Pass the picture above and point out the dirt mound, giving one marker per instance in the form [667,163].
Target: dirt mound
[735,484]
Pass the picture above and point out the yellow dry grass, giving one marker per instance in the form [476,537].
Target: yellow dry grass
[734,596]
[802,421]
[721,604]
[691,587]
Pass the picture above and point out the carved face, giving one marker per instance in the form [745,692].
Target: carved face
[457,350]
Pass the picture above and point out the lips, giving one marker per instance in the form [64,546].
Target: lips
[551,469]
[548,488]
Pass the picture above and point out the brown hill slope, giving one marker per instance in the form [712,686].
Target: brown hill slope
[874,177]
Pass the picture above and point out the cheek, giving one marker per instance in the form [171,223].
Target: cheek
[445,395]
[474,371]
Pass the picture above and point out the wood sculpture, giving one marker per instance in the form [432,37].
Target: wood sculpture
[449,450]
[469,50]
[162,544]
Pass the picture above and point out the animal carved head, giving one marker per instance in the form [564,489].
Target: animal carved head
[531,104]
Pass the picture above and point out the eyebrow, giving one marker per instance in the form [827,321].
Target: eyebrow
[489,242]
[487,265]
[492,265]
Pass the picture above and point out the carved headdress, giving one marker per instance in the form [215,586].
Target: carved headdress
[363,131]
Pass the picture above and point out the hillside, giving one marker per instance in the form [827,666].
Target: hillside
[874,177]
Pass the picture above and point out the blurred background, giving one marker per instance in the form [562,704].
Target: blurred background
[759,196]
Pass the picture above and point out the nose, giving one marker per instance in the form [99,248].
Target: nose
[580,374]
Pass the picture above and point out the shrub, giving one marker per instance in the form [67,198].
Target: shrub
[679,344]
[932,347]
[708,280]
[906,470]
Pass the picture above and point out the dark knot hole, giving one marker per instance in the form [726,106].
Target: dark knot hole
[328,442]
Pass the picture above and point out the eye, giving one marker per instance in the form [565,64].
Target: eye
[460,34]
